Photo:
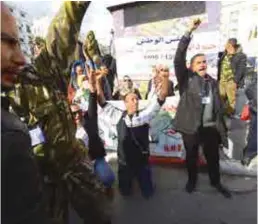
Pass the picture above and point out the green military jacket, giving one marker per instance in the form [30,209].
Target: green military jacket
[44,101]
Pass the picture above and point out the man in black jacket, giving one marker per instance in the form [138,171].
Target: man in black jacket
[231,73]
[199,115]
[21,186]
[251,148]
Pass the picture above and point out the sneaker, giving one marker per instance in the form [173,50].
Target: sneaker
[221,189]
[190,187]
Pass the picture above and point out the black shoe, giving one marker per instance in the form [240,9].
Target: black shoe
[190,187]
[225,192]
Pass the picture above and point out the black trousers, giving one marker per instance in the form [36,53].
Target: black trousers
[143,175]
[209,138]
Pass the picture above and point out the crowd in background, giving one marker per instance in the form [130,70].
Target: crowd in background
[55,157]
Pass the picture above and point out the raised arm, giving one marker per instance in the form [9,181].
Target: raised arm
[145,116]
[181,70]
[96,146]
[110,112]
[63,35]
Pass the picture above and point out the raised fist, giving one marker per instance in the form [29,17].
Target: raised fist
[195,24]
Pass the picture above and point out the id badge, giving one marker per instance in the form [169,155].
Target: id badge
[206,100]
[37,136]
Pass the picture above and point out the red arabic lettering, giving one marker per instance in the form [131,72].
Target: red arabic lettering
[173,148]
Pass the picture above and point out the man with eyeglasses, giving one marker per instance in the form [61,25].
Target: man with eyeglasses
[126,86]
[21,187]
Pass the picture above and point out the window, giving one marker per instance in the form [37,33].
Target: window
[233,23]
[28,29]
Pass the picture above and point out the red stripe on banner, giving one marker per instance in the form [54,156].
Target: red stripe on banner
[171,160]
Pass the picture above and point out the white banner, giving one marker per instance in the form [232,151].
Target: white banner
[136,55]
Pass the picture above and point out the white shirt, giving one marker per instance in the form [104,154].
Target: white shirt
[82,134]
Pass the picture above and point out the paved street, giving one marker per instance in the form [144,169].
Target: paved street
[171,205]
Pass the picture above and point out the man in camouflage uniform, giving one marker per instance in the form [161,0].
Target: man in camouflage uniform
[231,74]
[40,99]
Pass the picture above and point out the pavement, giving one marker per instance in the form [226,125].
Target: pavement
[172,205]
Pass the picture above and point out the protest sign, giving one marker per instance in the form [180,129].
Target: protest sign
[136,55]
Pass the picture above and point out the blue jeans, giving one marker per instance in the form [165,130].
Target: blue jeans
[143,176]
[251,148]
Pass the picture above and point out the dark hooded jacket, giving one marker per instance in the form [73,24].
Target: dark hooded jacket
[251,93]
[238,65]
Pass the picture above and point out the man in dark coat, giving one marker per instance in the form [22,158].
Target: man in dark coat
[199,115]
[231,73]
[40,98]
[21,187]
[251,148]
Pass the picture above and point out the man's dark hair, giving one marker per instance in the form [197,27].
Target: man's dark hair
[127,77]
[233,42]
[195,56]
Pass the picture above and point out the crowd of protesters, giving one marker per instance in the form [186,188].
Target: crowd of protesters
[55,157]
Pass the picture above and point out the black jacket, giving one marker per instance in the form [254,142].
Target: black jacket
[110,63]
[133,144]
[238,65]
[132,131]
[189,112]
[96,146]
[251,93]
[21,189]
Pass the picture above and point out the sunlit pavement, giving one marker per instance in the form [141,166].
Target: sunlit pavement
[172,205]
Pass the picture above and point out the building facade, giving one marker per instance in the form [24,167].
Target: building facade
[147,33]
[25,32]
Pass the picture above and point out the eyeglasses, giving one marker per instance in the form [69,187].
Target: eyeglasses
[9,39]
[164,70]
[127,80]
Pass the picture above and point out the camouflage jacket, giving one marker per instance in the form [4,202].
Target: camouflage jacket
[43,102]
